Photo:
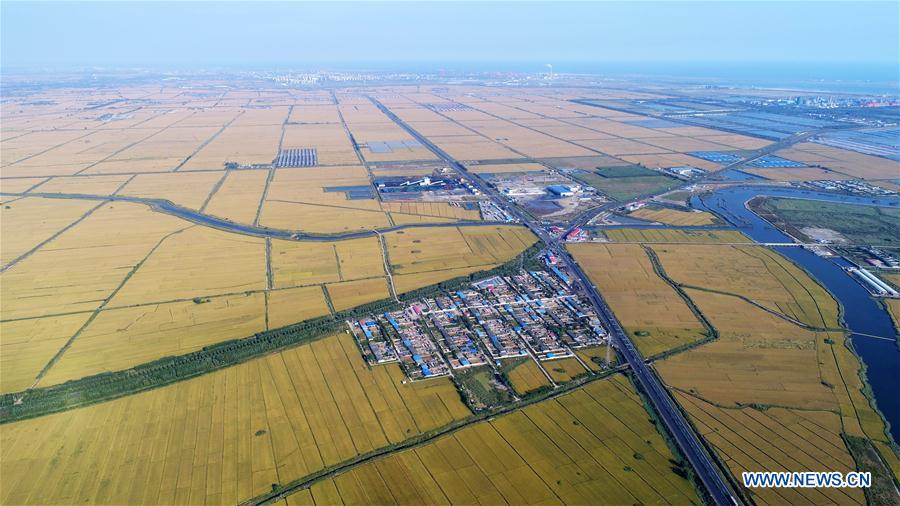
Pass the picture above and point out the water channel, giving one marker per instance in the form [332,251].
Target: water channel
[860,311]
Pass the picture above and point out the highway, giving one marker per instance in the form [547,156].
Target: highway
[685,437]
[687,440]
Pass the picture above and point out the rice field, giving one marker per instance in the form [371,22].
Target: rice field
[564,369]
[196,262]
[185,189]
[651,311]
[777,439]
[27,222]
[126,285]
[432,209]
[798,174]
[675,217]
[591,446]
[238,197]
[350,294]
[893,308]
[121,338]
[762,359]
[224,437]
[755,272]
[423,250]
[292,305]
[674,236]
[243,144]
[89,185]
[115,284]
[593,354]
[408,282]
[304,263]
[525,376]
[488,168]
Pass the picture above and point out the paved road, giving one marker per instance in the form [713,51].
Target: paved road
[168,207]
[685,437]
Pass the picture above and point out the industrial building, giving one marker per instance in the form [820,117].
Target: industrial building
[560,190]
[402,184]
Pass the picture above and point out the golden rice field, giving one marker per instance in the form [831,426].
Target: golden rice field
[761,358]
[754,272]
[893,307]
[244,144]
[408,282]
[116,284]
[129,285]
[196,262]
[303,263]
[757,358]
[19,185]
[592,446]
[321,219]
[239,196]
[224,437]
[85,264]
[121,338]
[777,440]
[472,147]
[187,189]
[652,312]
[564,369]
[488,168]
[669,159]
[675,236]
[28,345]
[675,216]
[292,305]
[435,249]
[350,294]
[29,221]
[88,185]
[432,209]
[589,355]
[411,219]
[526,376]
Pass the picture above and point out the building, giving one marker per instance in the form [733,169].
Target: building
[560,190]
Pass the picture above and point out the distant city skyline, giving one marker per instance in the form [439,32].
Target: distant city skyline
[505,35]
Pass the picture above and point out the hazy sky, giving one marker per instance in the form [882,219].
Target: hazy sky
[445,34]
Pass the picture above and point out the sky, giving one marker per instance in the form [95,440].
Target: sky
[501,35]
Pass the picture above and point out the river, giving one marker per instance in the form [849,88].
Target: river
[861,314]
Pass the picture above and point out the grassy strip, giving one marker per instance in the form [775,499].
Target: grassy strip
[884,484]
[111,385]
[680,465]
[711,333]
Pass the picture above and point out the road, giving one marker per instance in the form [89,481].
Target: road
[687,440]
[172,209]
[685,437]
